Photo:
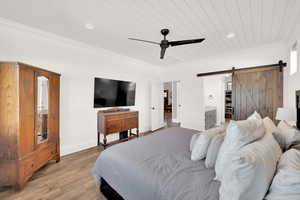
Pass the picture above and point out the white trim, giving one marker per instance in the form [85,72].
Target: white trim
[68,149]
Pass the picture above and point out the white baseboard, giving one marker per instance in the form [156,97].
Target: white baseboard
[69,149]
[65,150]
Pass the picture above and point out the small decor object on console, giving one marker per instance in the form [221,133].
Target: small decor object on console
[286,115]
[116,122]
[29,121]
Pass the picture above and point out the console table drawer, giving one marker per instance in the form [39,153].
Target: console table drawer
[113,126]
[130,123]
[121,116]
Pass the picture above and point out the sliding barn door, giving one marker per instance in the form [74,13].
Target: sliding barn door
[258,90]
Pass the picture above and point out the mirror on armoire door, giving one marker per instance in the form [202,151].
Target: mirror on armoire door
[42,109]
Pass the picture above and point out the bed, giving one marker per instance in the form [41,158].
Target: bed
[155,167]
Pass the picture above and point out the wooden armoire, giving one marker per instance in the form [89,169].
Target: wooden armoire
[29,121]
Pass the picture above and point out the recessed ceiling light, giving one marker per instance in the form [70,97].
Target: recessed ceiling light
[230,35]
[89,26]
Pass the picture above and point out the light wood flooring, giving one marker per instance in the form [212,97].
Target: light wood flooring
[69,179]
[168,120]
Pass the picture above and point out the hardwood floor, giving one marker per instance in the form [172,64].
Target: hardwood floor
[168,120]
[69,179]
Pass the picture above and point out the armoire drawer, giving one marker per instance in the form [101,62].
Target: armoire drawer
[29,166]
[45,155]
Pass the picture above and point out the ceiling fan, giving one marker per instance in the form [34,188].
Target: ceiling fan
[164,44]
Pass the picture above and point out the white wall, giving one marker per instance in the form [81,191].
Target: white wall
[291,82]
[78,65]
[192,87]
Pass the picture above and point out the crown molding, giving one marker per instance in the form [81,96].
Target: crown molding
[45,35]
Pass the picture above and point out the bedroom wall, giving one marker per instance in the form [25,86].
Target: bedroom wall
[192,87]
[292,82]
[78,65]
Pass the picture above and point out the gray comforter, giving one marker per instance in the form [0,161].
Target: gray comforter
[157,167]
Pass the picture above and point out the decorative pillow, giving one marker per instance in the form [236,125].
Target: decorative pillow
[193,140]
[284,126]
[255,115]
[291,135]
[213,150]
[280,138]
[269,125]
[201,144]
[250,170]
[286,183]
[238,134]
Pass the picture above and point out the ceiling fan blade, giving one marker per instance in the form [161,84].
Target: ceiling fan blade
[162,52]
[151,42]
[183,42]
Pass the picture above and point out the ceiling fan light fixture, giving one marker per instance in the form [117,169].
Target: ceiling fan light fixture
[89,26]
[164,44]
[230,35]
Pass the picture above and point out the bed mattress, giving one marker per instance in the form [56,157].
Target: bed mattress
[157,167]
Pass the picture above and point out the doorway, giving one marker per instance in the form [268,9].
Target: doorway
[171,104]
[258,88]
[217,93]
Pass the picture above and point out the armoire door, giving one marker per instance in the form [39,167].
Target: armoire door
[54,110]
[27,113]
[258,90]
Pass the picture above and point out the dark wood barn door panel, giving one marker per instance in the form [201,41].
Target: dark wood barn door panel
[258,90]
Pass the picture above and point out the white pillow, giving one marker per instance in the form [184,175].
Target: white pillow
[283,126]
[286,183]
[291,135]
[255,115]
[238,134]
[201,144]
[281,140]
[269,125]
[250,171]
[213,150]
[193,140]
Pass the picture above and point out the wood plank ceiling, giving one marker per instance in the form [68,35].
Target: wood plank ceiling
[254,22]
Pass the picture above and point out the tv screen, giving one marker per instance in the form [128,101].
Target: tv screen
[112,93]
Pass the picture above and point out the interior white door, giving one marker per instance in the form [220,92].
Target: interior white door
[179,100]
[176,102]
[157,106]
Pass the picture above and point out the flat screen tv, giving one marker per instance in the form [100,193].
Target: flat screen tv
[113,93]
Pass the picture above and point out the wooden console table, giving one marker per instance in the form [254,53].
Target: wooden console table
[115,122]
